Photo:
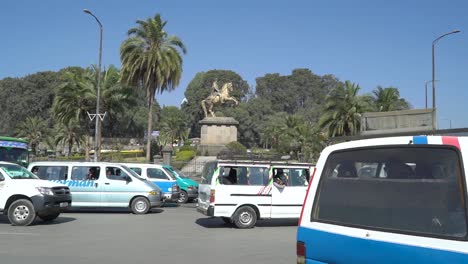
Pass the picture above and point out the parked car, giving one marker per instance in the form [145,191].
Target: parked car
[158,175]
[188,187]
[101,184]
[241,192]
[23,196]
[411,207]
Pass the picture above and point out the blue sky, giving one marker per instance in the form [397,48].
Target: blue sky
[372,42]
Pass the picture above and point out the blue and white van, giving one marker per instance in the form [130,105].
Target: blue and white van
[158,175]
[101,184]
[387,200]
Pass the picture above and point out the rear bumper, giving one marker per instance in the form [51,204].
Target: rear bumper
[155,200]
[192,193]
[206,211]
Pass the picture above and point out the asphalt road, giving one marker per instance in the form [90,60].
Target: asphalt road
[167,235]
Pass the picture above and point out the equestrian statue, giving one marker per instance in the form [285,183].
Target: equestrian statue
[217,97]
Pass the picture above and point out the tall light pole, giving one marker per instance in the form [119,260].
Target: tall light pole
[427,82]
[434,125]
[96,132]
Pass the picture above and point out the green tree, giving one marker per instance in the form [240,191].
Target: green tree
[151,59]
[77,95]
[388,99]
[34,130]
[173,124]
[342,114]
[69,134]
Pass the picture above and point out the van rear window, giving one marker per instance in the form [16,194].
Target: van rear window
[408,189]
[208,171]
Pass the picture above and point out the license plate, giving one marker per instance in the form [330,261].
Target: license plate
[65,204]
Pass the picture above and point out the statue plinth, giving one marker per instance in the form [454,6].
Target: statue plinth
[216,133]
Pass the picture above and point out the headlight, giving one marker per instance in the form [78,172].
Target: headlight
[45,190]
[191,187]
[154,193]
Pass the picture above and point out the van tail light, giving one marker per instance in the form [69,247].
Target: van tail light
[212,196]
[301,252]
[307,194]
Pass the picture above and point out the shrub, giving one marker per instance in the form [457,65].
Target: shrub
[236,148]
[187,147]
[185,155]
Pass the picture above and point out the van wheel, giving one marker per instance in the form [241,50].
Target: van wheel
[245,217]
[21,212]
[48,217]
[140,205]
[183,197]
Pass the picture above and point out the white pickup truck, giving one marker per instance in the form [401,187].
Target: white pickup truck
[23,196]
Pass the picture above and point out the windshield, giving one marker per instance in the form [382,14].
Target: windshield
[14,155]
[17,172]
[134,174]
[172,175]
[176,173]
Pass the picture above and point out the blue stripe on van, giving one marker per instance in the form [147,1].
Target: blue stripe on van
[420,140]
[334,248]
[165,185]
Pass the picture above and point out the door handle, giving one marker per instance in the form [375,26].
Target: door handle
[107,183]
[96,184]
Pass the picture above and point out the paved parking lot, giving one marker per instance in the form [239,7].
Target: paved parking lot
[167,235]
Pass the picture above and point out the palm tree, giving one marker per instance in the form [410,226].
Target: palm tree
[34,130]
[343,109]
[151,59]
[388,99]
[70,133]
[76,97]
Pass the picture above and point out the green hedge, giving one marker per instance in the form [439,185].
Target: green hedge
[236,148]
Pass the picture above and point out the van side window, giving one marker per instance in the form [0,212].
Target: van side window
[298,177]
[407,189]
[114,173]
[136,170]
[84,173]
[51,173]
[154,173]
[241,175]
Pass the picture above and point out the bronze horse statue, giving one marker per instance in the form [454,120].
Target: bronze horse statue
[217,98]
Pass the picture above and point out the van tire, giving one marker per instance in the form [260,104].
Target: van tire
[245,217]
[48,217]
[140,205]
[183,197]
[21,212]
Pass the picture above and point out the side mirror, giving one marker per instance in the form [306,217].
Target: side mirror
[2,178]
[128,179]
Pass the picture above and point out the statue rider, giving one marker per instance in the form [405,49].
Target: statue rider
[216,92]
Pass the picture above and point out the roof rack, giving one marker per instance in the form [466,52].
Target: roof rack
[446,132]
[259,158]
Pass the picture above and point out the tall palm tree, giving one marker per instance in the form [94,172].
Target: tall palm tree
[343,109]
[151,59]
[388,99]
[34,130]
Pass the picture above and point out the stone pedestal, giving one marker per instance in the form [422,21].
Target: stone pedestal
[216,132]
[167,155]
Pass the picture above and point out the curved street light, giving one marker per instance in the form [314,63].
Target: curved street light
[96,132]
[433,76]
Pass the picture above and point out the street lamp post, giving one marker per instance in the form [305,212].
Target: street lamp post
[434,125]
[427,82]
[96,132]
[450,122]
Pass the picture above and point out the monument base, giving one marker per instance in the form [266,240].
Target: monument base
[216,133]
